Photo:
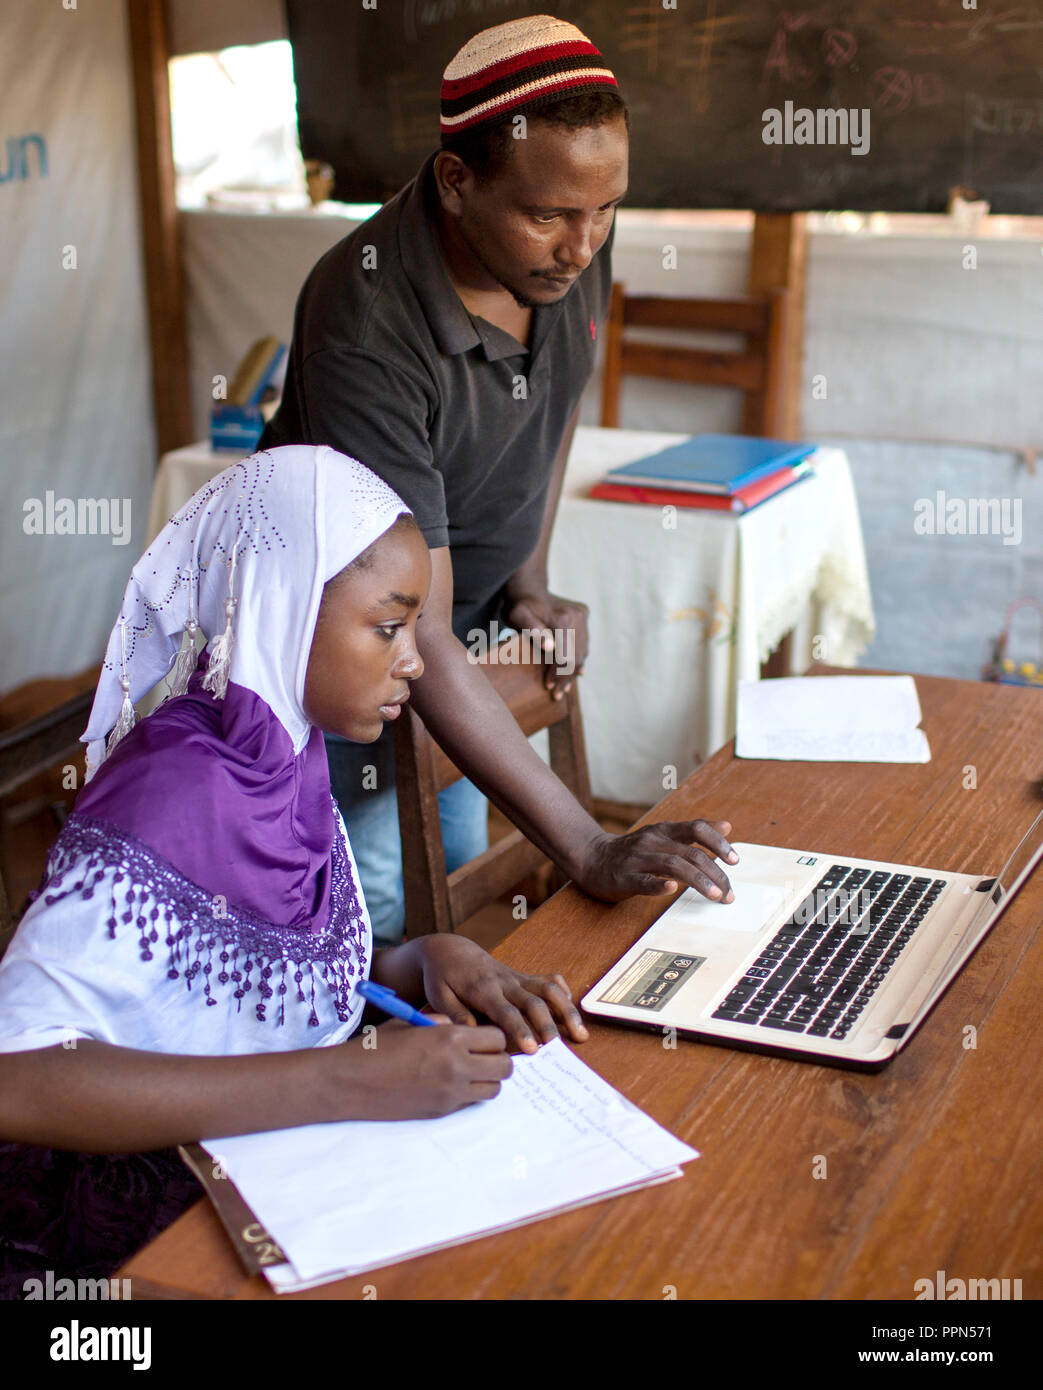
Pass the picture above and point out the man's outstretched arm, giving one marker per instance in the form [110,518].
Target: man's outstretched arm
[480,735]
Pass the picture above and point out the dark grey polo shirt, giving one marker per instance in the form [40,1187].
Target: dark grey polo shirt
[388,366]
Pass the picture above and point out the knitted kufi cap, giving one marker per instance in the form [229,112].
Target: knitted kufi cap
[513,65]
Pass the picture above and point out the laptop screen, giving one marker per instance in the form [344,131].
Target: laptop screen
[995,897]
[997,892]
[1020,864]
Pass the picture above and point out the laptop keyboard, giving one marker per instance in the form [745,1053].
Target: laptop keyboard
[823,966]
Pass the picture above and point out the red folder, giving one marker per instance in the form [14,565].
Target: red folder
[739,501]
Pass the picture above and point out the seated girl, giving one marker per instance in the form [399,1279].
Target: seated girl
[188,967]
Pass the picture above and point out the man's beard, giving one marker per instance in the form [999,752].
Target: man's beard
[527,303]
[522,300]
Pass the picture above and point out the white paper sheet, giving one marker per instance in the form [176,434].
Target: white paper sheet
[344,1198]
[847,719]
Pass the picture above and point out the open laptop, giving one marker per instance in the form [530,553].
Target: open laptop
[821,957]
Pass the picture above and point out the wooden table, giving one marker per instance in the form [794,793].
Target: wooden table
[931,1164]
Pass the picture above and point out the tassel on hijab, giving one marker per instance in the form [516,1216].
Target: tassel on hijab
[187,656]
[125,722]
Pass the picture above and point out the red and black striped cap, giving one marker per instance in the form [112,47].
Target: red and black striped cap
[512,65]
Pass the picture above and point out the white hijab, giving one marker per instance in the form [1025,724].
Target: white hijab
[225,545]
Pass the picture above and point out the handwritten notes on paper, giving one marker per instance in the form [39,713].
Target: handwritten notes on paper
[844,719]
[343,1198]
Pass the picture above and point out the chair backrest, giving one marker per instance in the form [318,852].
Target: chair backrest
[30,749]
[756,369]
[433,900]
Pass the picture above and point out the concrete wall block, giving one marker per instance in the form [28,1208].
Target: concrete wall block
[934,617]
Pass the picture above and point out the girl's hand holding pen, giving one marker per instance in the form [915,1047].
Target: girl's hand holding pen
[399,1072]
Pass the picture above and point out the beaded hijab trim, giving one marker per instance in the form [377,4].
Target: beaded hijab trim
[202,935]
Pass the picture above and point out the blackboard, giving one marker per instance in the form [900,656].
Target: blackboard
[954,96]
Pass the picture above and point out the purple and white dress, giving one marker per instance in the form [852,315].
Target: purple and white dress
[162,938]
[202,898]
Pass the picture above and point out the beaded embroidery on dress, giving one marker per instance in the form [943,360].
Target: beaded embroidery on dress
[168,910]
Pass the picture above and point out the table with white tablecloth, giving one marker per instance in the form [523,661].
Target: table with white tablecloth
[683,604]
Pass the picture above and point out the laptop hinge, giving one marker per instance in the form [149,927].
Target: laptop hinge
[898,1031]
[985,885]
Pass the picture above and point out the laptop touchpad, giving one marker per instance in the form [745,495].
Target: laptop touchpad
[755,904]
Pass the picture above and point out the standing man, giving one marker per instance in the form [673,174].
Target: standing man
[446,343]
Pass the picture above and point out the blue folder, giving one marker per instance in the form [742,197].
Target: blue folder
[712,463]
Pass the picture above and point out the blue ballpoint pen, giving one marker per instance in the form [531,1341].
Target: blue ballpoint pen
[389,1001]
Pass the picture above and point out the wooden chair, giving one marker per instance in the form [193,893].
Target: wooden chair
[31,749]
[433,900]
[756,370]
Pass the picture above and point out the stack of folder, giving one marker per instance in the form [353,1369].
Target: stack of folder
[711,472]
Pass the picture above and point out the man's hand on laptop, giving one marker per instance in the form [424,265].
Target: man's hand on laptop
[659,859]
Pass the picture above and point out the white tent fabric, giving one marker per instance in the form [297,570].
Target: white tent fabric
[901,342]
[243,273]
[75,394]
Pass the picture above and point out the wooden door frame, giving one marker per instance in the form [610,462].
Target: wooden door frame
[148,24]
[778,261]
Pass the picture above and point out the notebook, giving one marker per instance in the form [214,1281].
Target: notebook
[719,463]
[320,1202]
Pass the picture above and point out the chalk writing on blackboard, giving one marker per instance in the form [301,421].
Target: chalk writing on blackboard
[801,52]
[839,47]
[894,90]
[1004,115]
[641,34]
[955,94]
[701,88]
[783,61]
